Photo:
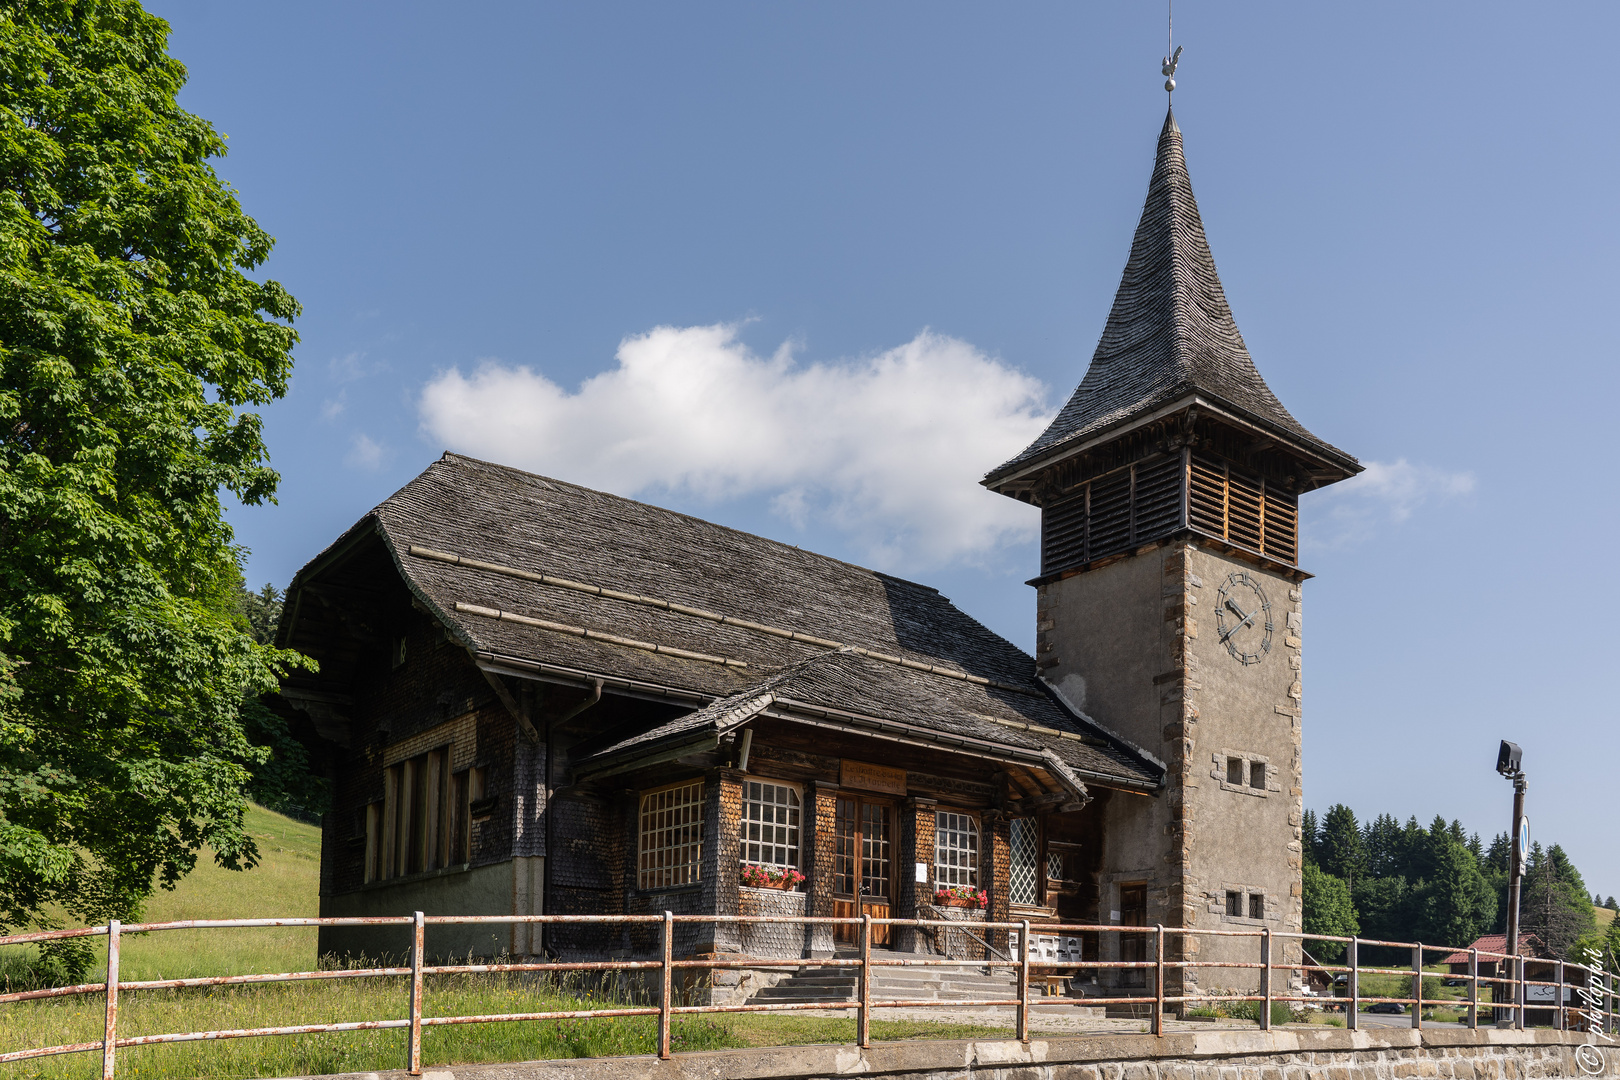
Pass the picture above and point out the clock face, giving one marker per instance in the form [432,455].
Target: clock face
[1243,618]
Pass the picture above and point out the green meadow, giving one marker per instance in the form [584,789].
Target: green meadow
[286,883]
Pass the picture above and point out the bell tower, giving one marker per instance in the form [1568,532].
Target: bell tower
[1169,597]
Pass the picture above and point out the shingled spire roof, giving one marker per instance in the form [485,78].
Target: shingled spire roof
[1170,335]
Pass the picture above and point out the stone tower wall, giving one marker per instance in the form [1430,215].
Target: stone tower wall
[1134,645]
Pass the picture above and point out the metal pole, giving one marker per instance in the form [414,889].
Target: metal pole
[666,974]
[1515,869]
[1560,992]
[1518,993]
[1473,988]
[1158,980]
[1265,978]
[863,1016]
[1023,982]
[1417,985]
[109,1038]
[418,939]
[1351,1018]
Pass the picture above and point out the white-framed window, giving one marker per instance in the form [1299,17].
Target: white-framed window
[956,849]
[671,836]
[770,824]
[1025,860]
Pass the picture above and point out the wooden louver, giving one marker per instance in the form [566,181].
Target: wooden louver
[1245,510]
[1155,497]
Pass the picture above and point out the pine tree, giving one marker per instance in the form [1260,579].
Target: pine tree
[1342,853]
[1308,838]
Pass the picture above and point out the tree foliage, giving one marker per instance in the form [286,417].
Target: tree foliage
[133,346]
[1328,910]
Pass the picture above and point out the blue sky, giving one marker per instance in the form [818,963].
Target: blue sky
[809,271]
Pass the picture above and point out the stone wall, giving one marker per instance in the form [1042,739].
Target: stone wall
[1289,1054]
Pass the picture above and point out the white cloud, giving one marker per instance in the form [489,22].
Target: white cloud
[364,453]
[887,449]
[353,366]
[1385,493]
[332,408]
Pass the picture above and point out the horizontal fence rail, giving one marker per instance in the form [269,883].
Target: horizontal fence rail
[1594,991]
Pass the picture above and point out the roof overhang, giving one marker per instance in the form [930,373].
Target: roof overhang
[1018,477]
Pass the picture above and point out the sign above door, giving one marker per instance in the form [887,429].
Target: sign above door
[863,776]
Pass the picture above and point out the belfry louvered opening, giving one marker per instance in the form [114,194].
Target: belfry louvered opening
[1245,510]
[1155,497]
[1113,513]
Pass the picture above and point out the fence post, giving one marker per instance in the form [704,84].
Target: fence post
[1417,985]
[1560,993]
[863,1015]
[1158,980]
[1473,988]
[418,940]
[1353,1010]
[109,1038]
[666,974]
[1023,982]
[1265,978]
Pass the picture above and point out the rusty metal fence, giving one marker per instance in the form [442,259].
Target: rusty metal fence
[1510,991]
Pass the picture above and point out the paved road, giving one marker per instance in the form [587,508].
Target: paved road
[1403,1020]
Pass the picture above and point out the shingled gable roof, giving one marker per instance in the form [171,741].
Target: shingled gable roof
[1170,335]
[531,572]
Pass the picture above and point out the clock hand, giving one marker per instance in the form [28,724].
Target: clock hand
[1243,620]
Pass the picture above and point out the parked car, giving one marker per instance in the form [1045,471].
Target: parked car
[1386,1007]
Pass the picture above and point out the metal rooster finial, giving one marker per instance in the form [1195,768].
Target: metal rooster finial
[1169,69]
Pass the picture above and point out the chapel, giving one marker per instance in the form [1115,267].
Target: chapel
[536,698]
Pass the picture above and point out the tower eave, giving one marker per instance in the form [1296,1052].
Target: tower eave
[1328,463]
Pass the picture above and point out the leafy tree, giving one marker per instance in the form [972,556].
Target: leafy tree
[261,611]
[133,346]
[1342,853]
[1328,910]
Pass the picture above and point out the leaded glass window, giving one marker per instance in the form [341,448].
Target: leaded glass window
[1024,860]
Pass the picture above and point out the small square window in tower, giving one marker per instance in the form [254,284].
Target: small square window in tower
[1257,775]
[1234,770]
[1234,903]
[1257,905]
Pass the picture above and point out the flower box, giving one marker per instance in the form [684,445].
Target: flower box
[770,877]
[961,896]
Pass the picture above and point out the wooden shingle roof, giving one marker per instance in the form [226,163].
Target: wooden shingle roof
[526,569]
[1170,335]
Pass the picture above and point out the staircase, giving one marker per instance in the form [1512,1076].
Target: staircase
[963,982]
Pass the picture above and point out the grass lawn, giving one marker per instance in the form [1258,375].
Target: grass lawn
[286,883]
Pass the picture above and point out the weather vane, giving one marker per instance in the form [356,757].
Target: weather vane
[1174,58]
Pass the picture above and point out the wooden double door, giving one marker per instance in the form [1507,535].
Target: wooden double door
[863,864]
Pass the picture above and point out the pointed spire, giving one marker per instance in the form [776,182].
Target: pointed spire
[1170,334]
